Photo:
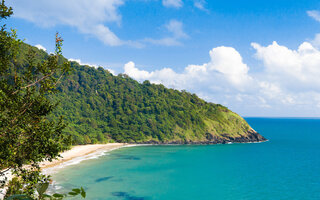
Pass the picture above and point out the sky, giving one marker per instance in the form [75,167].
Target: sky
[258,58]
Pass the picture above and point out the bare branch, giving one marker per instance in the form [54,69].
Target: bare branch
[59,79]
[34,83]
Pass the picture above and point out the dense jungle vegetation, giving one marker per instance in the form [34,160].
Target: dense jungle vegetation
[101,107]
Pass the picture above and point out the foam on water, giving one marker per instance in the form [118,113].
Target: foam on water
[78,160]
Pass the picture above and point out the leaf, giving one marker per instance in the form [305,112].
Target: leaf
[72,193]
[83,193]
[58,195]
[42,188]
[76,190]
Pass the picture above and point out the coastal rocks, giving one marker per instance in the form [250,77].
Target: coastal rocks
[225,138]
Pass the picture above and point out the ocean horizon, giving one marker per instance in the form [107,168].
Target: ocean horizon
[287,166]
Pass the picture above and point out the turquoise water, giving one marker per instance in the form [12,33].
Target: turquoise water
[285,167]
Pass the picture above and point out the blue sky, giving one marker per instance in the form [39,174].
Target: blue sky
[259,58]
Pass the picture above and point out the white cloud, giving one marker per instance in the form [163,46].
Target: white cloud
[175,28]
[88,17]
[92,18]
[39,46]
[228,61]
[111,71]
[316,40]
[314,14]
[200,4]
[91,65]
[82,63]
[172,3]
[225,66]
[103,33]
[294,69]
[131,70]
[288,85]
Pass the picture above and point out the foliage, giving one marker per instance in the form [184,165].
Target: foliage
[42,188]
[27,135]
[100,107]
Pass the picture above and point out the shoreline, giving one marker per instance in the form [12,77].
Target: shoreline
[73,156]
[79,153]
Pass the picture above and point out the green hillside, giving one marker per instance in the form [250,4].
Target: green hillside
[100,107]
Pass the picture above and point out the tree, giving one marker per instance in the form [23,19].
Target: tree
[27,136]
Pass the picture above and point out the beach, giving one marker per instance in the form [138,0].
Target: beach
[78,153]
[73,156]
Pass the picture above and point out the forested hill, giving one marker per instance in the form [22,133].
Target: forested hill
[100,107]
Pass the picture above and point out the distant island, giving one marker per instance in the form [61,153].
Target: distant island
[100,107]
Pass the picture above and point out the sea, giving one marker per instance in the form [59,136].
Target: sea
[286,167]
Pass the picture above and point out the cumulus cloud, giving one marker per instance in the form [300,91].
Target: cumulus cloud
[228,62]
[111,71]
[287,85]
[175,28]
[299,68]
[82,63]
[225,67]
[131,70]
[39,46]
[88,17]
[172,3]
[314,14]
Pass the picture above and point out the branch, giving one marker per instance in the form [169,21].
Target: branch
[59,79]
[34,83]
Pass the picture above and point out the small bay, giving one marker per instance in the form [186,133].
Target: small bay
[285,167]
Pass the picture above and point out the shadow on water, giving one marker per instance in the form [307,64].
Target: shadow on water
[103,179]
[127,157]
[127,196]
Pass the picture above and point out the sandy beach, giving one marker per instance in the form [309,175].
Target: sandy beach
[76,152]
[81,151]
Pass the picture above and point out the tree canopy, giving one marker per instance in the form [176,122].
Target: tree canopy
[101,107]
[98,107]
[27,135]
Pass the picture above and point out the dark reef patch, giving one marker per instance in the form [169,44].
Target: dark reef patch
[103,179]
[127,196]
[128,157]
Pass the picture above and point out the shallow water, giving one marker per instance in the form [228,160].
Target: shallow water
[285,167]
